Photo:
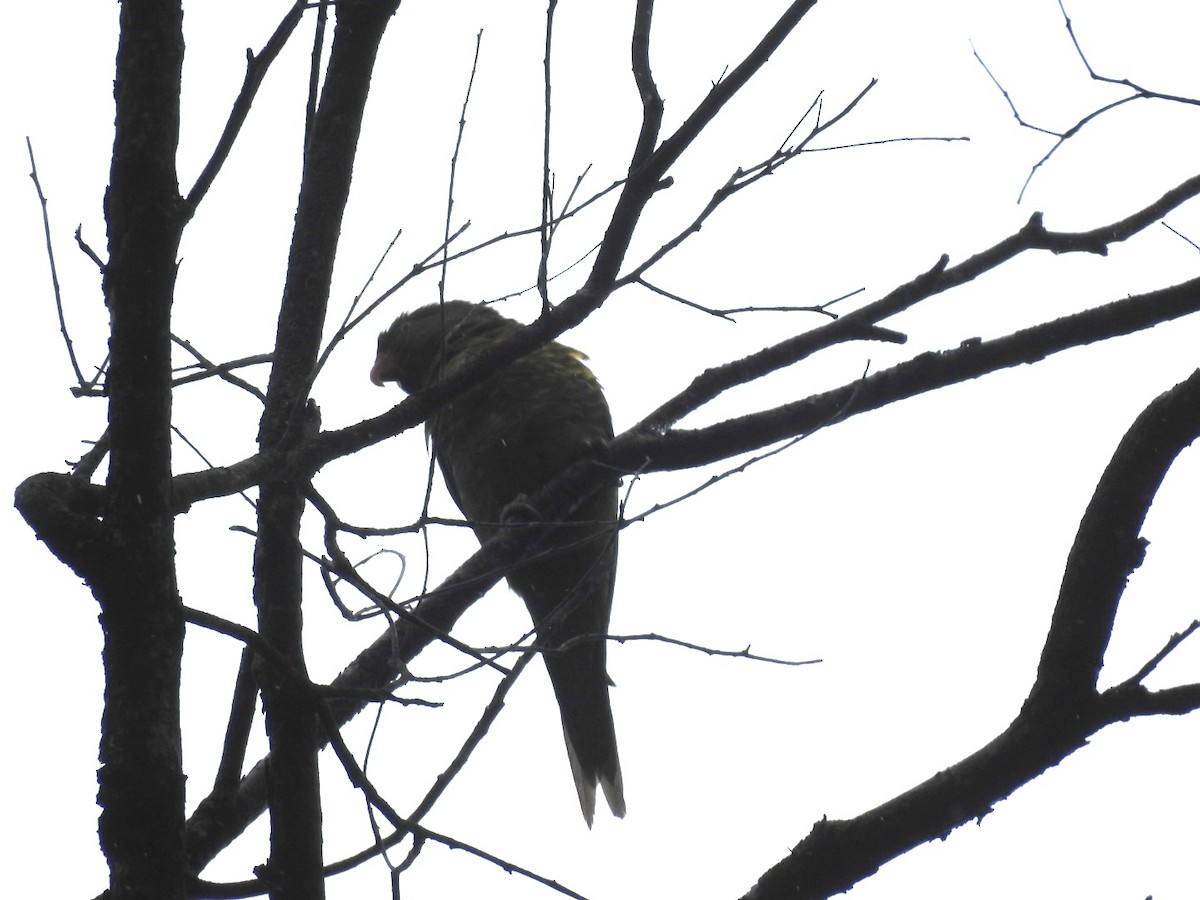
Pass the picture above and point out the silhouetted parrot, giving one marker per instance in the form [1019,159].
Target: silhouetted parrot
[499,442]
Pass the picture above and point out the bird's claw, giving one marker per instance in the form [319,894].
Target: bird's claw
[519,512]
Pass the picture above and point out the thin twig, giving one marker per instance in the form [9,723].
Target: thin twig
[314,70]
[87,464]
[1061,137]
[405,826]
[1174,641]
[711,481]
[743,178]
[434,259]
[221,370]
[547,189]
[58,304]
[256,71]
[87,250]
[1008,98]
[708,651]
[348,321]
[491,711]
[729,312]
[1181,236]
[462,128]
[339,567]
[204,459]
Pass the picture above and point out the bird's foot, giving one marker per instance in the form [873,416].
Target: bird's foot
[519,512]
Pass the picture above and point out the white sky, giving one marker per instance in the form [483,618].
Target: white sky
[916,550]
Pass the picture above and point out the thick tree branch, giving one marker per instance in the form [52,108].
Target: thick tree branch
[643,77]
[855,325]
[1063,709]
[294,870]
[220,818]
[684,448]
[680,448]
[1108,546]
[1125,316]
[649,167]
[64,513]
[141,497]
[141,775]
[380,663]
[940,278]
[192,487]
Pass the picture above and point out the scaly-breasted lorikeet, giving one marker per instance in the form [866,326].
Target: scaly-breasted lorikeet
[499,442]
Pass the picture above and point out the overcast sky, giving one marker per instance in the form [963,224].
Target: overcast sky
[916,550]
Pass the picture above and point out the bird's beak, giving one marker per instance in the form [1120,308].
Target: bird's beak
[377,374]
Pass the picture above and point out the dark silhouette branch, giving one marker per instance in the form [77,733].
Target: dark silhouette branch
[739,180]
[1108,547]
[450,184]
[81,522]
[546,231]
[256,71]
[1033,236]
[223,371]
[294,870]
[1140,92]
[1063,710]
[1122,317]
[141,775]
[679,448]
[242,712]
[314,69]
[1137,92]
[58,305]
[439,610]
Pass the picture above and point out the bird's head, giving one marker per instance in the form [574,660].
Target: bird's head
[409,351]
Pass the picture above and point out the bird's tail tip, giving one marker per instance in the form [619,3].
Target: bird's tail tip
[610,784]
[614,793]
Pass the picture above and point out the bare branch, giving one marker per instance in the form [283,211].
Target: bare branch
[135,583]
[295,864]
[649,165]
[462,128]
[652,103]
[1008,98]
[222,370]
[707,651]
[1063,710]
[938,279]
[314,70]
[58,305]
[1140,93]
[547,179]
[348,321]
[440,609]
[1175,640]
[87,250]
[1108,546]
[725,89]
[1137,93]
[242,710]
[740,179]
[256,71]
[1121,317]
[929,371]
[87,464]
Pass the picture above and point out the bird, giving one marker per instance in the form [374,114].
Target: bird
[497,444]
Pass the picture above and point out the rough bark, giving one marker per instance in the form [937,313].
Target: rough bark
[294,869]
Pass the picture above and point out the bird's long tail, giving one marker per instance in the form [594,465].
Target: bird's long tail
[581,687]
